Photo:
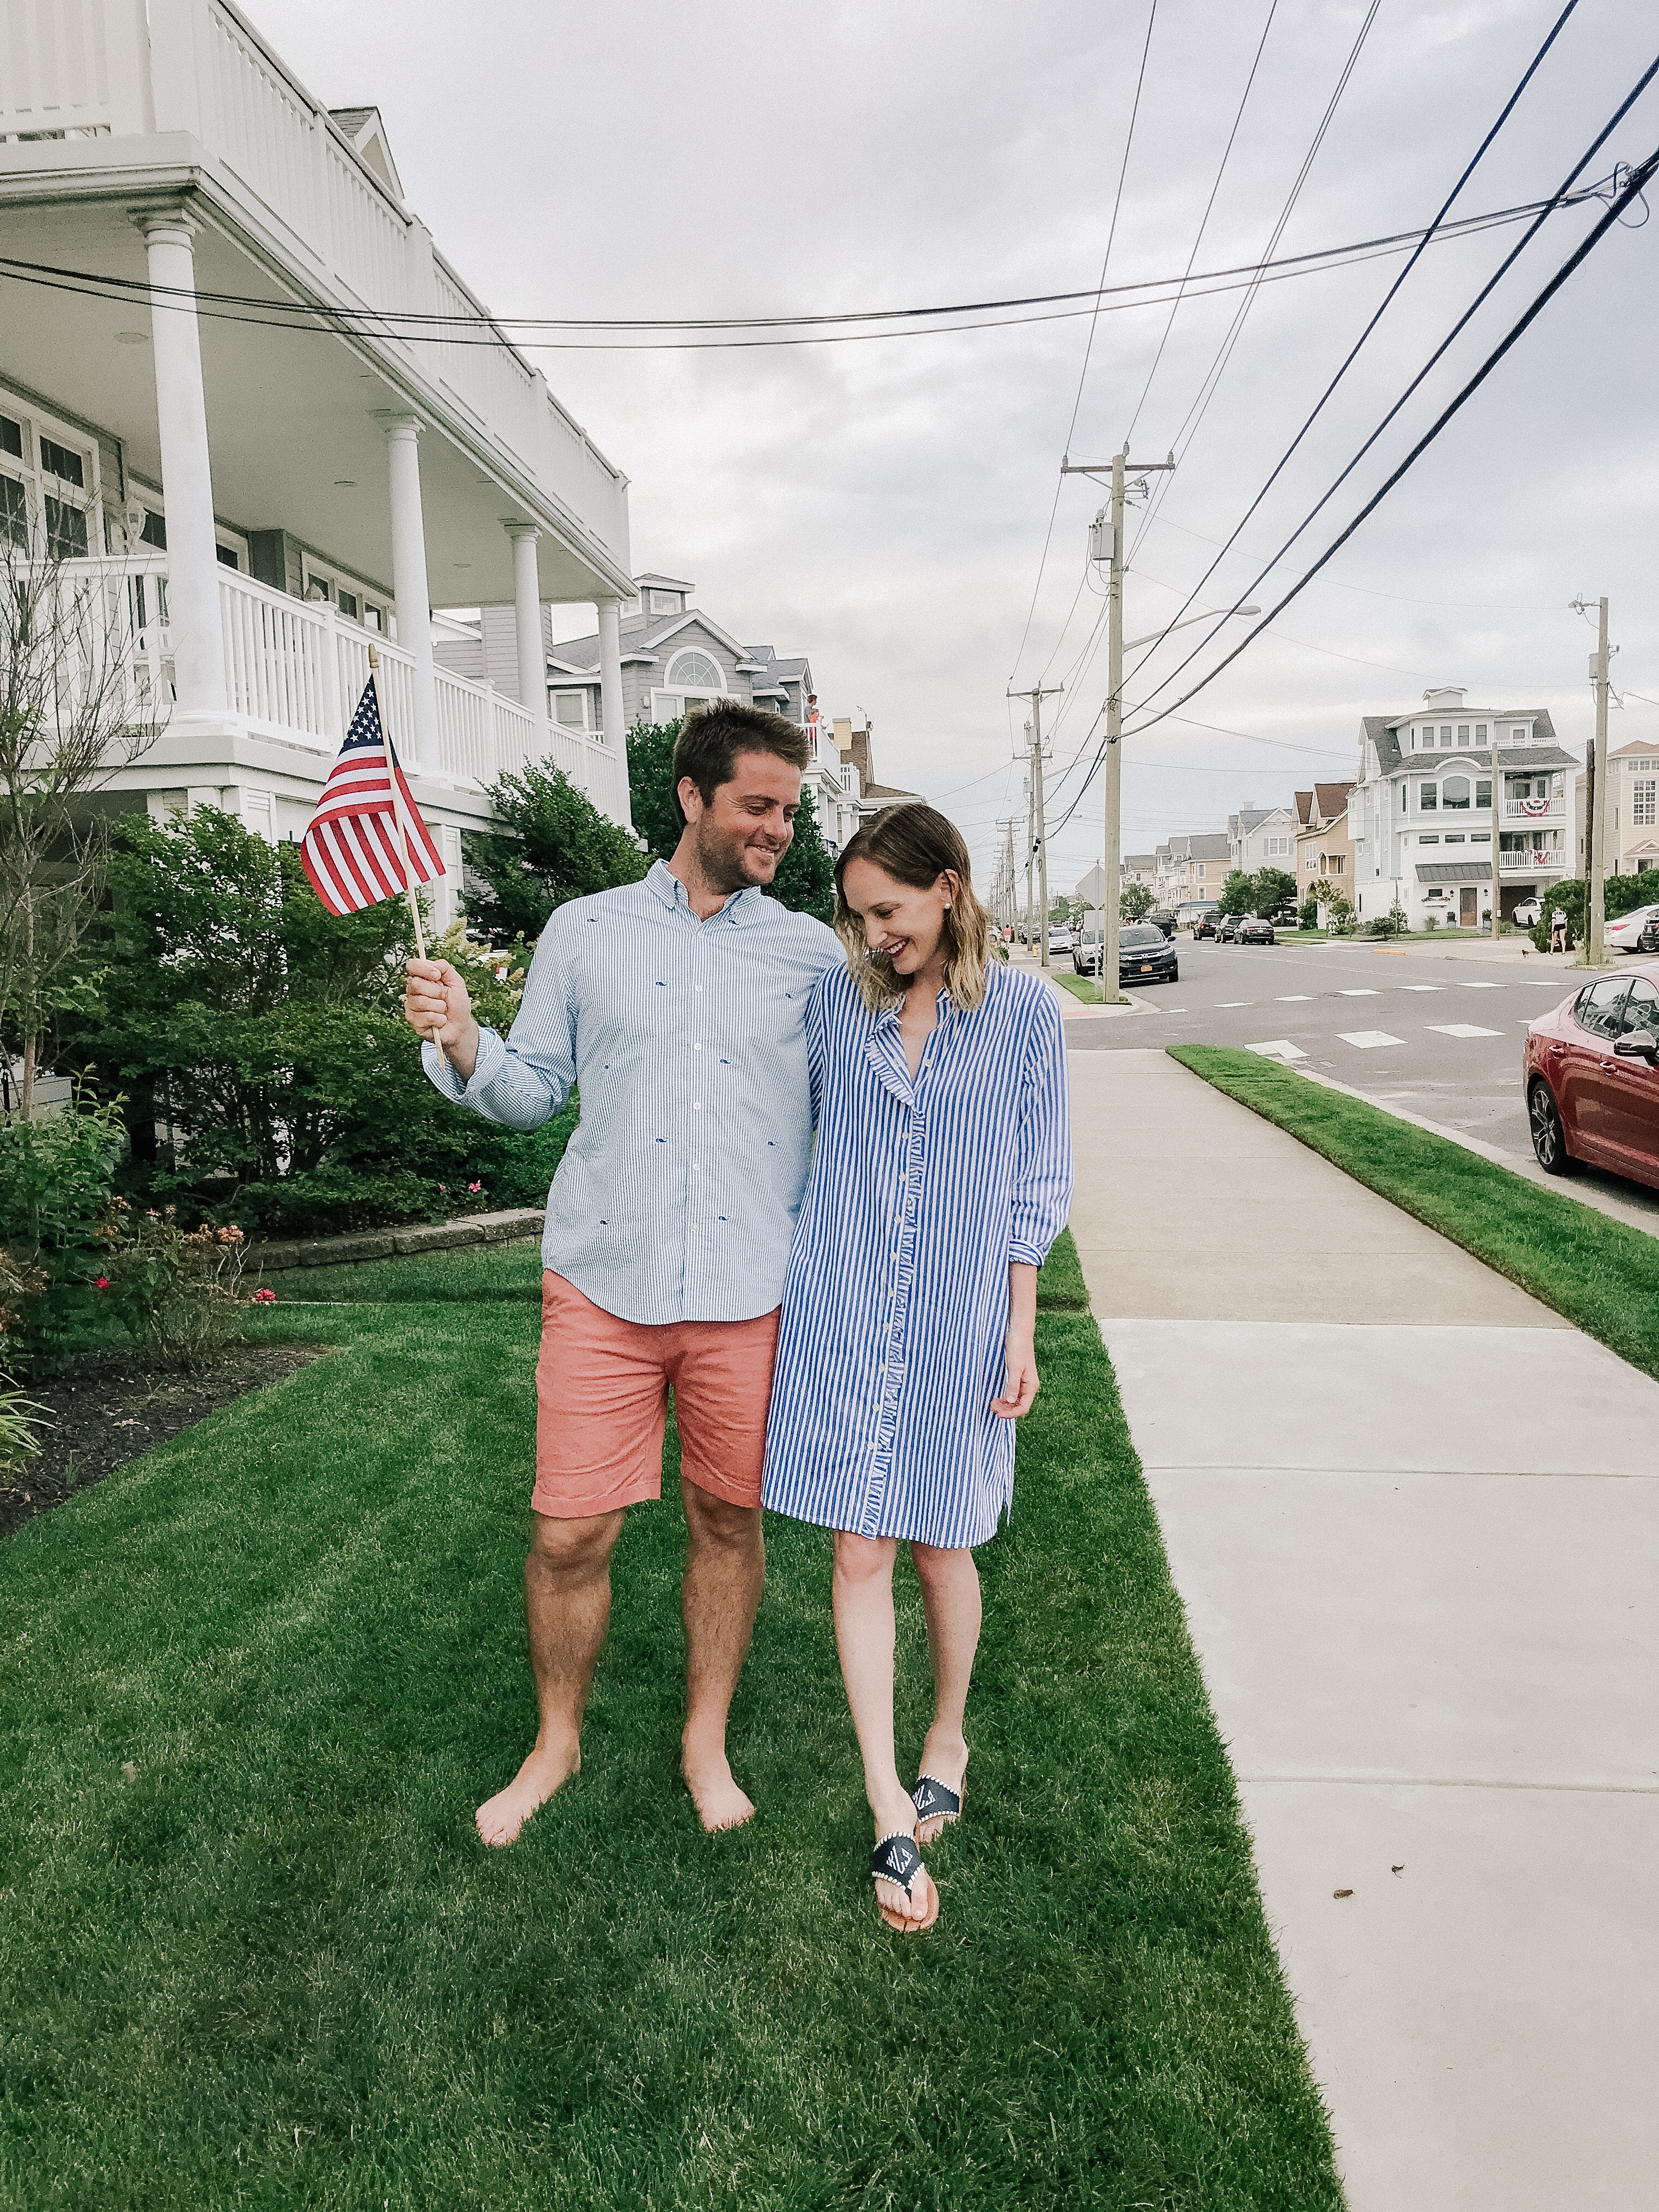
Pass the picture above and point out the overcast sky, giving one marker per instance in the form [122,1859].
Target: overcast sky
[882,506]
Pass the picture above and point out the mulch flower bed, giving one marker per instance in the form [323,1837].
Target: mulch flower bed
[109,1408]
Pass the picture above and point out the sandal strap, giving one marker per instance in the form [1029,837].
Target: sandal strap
[896,1859]
[933,1801]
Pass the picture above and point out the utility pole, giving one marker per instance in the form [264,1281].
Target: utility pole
[1038,828]
[1030,858]
[1596,795]
[1110,891]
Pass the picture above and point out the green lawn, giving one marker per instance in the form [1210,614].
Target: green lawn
[1601,1274]
[254,1956]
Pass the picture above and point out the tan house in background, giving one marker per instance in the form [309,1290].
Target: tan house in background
[1630,821]
[1324,849]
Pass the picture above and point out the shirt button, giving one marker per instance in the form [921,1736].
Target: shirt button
[694,1167]
[696,1105]
[696,1048]
[699,987]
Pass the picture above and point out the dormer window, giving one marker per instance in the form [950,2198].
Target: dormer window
[666,603]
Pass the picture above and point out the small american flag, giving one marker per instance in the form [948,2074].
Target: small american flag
[352,849]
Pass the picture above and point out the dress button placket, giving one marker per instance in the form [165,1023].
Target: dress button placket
[893,1356]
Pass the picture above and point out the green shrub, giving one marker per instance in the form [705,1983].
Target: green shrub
[18,1442]
[1431,921]
[557,846]
[56,1184]
[260,1040]
[174,1291]
[1306,913]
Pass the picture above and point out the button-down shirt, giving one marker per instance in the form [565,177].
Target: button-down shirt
[677,1196]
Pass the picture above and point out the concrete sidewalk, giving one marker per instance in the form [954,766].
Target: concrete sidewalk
[1414,1520]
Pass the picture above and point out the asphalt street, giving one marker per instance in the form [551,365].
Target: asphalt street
[1432,1034]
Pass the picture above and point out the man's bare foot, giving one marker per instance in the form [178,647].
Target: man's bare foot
[719,1803]
[945,1756]
[908,1915]
[500,1818]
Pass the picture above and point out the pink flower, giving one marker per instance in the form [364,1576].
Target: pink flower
[265,1298]
[475,1185]
[103,1283]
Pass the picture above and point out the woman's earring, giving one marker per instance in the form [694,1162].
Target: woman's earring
[947,906]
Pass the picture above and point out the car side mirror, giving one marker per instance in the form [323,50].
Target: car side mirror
[1638,1044]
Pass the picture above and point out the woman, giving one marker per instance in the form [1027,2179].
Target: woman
[942,1173]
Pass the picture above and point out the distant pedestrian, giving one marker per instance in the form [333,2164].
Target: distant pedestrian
[1557,931]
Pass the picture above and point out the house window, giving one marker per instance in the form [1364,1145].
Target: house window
[1428,797]
[348,600]
[1454,793]
[1641,799]
[570,709]
[1201,867]
[664,603]
[1332,864]
[1483,791]
[48,488]
[1462,733]
[1308,856]
[1481,733]
[155,531]
[694,672]
[1518,734]
[226,556]
[1435,840]
[1445,738]
[1455,837]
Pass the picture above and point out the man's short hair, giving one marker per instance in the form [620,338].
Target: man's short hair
[712,736]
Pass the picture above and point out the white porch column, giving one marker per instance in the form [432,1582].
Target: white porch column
[193,616]
[611,715]
[527,621]
[409,583]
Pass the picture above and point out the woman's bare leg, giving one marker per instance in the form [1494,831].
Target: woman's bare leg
[950,1600]
[863,1592]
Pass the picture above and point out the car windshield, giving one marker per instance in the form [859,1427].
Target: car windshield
[1136,937]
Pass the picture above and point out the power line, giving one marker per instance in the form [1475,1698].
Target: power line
[1111,233]
[1621,200]
[1636,179]
[1354,351]
[1226,154]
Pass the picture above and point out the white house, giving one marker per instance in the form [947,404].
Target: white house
[1630,817]
[257,475]
[1433,788]
[1261,837]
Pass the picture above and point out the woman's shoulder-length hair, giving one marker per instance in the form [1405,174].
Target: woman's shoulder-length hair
[915,845]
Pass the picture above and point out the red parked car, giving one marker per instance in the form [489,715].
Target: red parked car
[1591,1072]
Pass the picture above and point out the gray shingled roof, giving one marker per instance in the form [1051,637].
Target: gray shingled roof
[1383,731]
[1454,871]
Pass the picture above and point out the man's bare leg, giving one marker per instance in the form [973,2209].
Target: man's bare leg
[567,1583]
[725,1570]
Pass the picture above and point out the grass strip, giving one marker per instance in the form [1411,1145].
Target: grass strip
[254,1684]
[1599,1274]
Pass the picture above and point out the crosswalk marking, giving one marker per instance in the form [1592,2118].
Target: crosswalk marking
[1228,1004]
[1464,985]
[1361,993]
[1278,1049]
[1294,999]
[1463,1030]
[1425,987]
[1368,1040]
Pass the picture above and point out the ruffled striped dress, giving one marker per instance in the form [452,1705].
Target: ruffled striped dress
[896,1303]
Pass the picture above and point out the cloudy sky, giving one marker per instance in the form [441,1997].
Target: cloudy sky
[883,506]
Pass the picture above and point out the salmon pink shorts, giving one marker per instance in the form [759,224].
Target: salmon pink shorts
[601,1389]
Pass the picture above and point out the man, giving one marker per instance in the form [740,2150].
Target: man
[675,1006]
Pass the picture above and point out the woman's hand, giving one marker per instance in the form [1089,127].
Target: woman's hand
[436,1004]
[1020,1381]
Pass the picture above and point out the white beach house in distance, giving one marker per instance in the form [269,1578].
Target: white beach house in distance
[263,503]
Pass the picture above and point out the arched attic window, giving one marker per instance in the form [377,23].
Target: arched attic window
[694,672]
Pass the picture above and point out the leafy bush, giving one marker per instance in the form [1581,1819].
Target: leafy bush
[260,1040]
[1431,921]
[56,1180]
[805,881]
[174,1291]
[18,1442]
[557,846]
[1306,913]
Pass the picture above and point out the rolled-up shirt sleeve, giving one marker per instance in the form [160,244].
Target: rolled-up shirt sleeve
[1043,1141]
[521,1080]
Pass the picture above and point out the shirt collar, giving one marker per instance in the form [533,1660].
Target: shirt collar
[742,906]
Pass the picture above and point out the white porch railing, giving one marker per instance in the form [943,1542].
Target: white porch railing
[1552,859]
[295,670]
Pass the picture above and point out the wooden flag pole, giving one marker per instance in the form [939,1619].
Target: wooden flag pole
[402,827]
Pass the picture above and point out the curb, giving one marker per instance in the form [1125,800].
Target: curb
[278,1257]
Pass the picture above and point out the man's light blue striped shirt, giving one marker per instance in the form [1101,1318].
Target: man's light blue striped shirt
[677,1197]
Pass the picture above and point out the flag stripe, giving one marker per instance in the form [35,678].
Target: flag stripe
[367,838]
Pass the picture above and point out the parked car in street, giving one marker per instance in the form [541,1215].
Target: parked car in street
[1648,940]
[1206,925]
[1625,935]
[1591,1070]
[1145,955]
[1163,919]
[1059,940]
[1250,931]
[1227,930]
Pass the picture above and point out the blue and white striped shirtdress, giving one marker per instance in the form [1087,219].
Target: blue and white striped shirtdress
[895,1304]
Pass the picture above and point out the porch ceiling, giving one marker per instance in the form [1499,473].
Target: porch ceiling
[289,413]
